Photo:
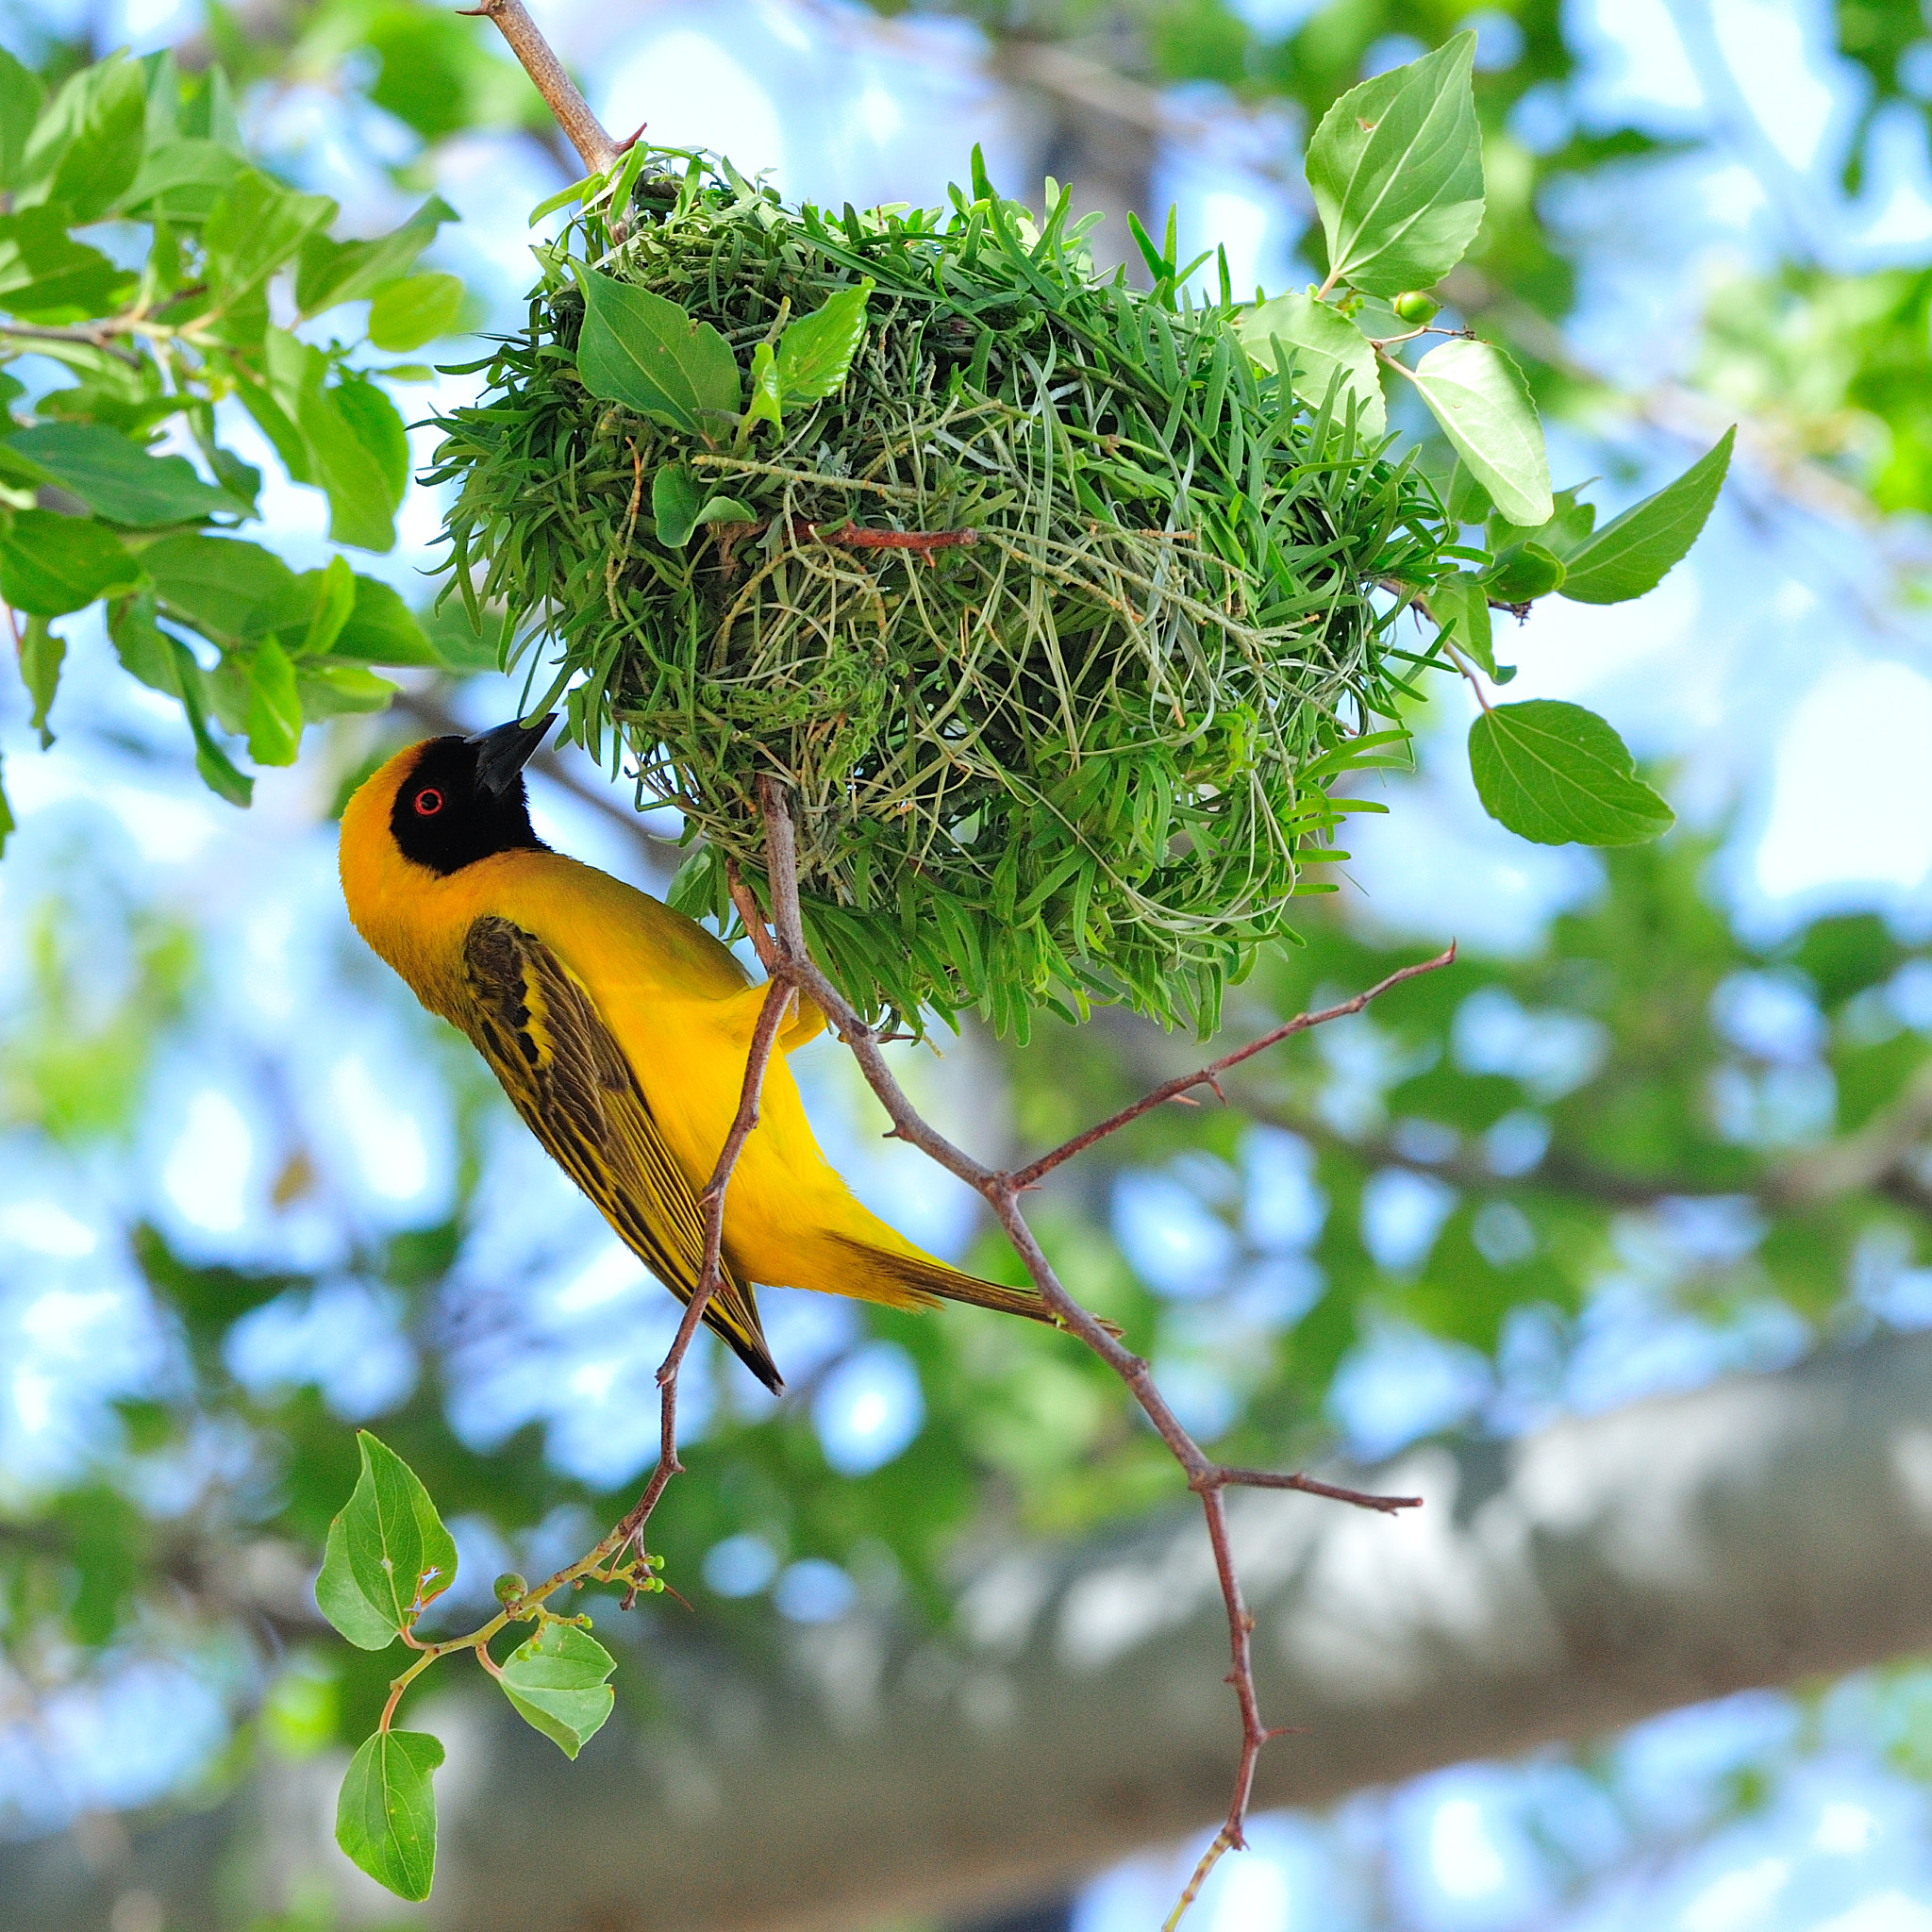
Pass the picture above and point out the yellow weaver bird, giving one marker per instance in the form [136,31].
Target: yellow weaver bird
[620,1031]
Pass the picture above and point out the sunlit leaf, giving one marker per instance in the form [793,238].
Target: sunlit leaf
[408,313]
[1558,775]
[555,1681]
[86,148]
[20,99]
[1631,554]
[1478,396]
[255,226]
[331,272]
[1322,345]
[394,1551]
[46,277]
[815,351]
[1396,169]
[385,1815]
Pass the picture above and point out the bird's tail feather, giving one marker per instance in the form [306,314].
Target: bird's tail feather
[917,1280]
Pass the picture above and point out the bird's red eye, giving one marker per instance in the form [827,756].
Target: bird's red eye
[428,802]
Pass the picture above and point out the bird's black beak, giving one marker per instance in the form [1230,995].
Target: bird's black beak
[503,753]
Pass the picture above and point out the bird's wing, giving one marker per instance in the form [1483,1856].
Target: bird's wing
[535,1023]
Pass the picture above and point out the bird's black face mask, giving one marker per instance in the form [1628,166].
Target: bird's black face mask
[465,799]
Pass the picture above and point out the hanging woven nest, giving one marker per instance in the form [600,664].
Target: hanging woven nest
[1055,613]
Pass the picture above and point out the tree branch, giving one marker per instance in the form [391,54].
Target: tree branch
[1208,1480]
[764,1036]
[1036,1171]
[585,132]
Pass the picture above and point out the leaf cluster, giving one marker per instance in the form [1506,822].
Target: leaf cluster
[100,499]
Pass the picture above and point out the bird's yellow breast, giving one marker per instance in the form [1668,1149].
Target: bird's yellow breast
[680,1007]
[609,933]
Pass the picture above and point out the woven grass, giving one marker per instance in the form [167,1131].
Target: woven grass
[1082,752]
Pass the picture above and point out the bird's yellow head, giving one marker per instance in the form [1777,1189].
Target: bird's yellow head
[415,827]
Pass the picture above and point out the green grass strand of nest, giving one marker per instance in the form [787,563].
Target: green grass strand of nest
[1082,749]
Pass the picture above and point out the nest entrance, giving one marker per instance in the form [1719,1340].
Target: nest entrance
[1056,618]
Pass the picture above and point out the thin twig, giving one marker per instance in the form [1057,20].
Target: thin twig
[1208,1480]
[1034,1170]
[581,128]
[764,1036]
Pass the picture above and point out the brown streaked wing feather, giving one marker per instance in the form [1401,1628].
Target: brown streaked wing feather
[535,1023]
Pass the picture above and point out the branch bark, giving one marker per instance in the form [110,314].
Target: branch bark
[1208,1480]
[571,112]
[1758,1532]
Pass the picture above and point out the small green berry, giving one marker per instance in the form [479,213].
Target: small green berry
[1416,307]
[509,1588]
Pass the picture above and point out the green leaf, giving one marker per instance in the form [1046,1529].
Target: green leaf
[380,629]
[1461,606]
[1559,774]
[51,564]
[41,653]
[48,279]
[333,591]
[118,480]
[340,1597]
[332,272]
[1466,499]
[255,226]
[275,707]
[815,352]
[222,584]
[555,1681]
[86,148]
[146,652]
[415,311]
[329,691]
[1632,553]
[167,664]
[386,1816]
[21,98]
[1478,395]
[646,353]
[765,406]
[1322,345]
[1522,573]
[441,77]
[677,496]
[361,455]
[181,181]
[394,1550]
[1566,532]
[1396,167]
[726,509]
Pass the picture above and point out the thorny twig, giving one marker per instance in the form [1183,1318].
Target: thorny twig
[793,971]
